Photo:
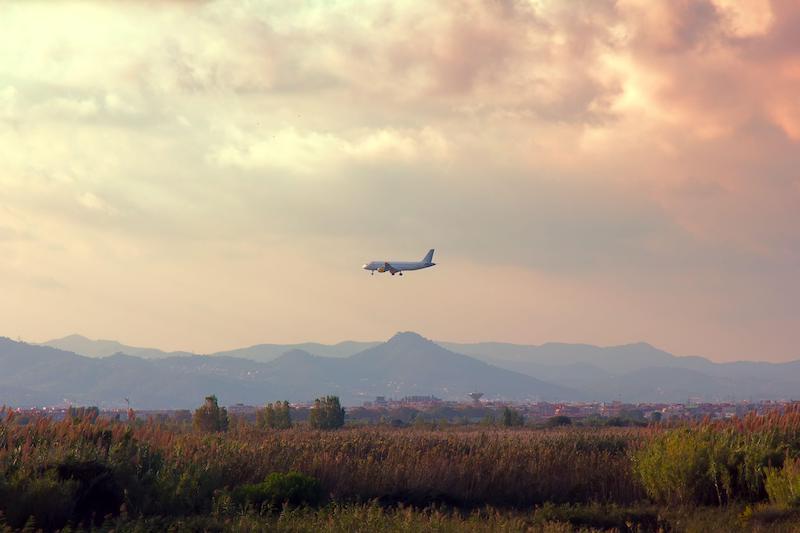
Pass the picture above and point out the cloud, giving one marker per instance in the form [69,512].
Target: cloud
[318,154]
[607,148]
[8,101]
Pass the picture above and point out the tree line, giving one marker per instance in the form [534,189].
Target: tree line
[326,413]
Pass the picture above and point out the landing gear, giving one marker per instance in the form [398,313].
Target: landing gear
[401,273]
[372,273]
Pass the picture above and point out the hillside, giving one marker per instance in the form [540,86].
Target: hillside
[405,365]
[103,348]
[269,352]
[640,372]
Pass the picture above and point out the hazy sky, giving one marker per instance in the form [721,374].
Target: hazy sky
[209,175]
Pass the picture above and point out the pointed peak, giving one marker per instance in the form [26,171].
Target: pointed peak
[408,338]
[73,337]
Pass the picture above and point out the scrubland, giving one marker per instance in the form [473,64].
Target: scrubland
[742,474]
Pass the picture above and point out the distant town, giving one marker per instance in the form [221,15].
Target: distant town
[430,409]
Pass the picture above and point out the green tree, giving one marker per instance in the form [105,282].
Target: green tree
[488,420]
[275,416]
[327,413]
[210,417]
[512,418]
[558,421]
[78,414]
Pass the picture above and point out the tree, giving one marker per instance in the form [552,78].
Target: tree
[512,418]
[558,421]
[275,416]
[210,417]
[78,414]
[327,413]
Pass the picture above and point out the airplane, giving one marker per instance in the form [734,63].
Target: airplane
[397,267]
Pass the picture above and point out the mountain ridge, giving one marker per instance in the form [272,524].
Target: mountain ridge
[42,373]
[587,371]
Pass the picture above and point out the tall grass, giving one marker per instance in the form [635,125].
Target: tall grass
[80,470]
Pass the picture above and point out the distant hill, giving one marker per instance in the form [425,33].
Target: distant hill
[103,348]
[261,352]
[405,365]
[411,364]
[614,359]
[270,352]
[640,372]
[38,375]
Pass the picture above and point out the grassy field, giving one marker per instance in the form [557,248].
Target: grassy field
[737,475]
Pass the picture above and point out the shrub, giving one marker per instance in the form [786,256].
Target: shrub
[512,418]
[707,465]
[783,485]
[558,421]
[46,501]
[292,488]
[674,467]
[97,494]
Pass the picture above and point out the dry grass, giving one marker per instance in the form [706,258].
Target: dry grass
[170,470]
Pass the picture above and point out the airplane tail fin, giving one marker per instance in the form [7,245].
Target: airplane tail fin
[428,257]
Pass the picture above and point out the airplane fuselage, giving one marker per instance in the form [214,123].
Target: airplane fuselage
[397,267]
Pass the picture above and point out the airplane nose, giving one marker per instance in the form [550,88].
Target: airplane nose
[365,265]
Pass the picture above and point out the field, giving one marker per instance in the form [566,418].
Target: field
[142,476]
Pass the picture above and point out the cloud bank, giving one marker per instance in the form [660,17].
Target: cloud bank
[203,175]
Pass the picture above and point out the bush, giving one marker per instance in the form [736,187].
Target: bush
[783,485]
[674,467]
[71,491]
[558,421]
[98,494]
[603,517]
[292,488]
[706,465]
[47,501]
[512,418]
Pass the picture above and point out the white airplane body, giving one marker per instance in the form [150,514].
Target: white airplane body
[397,267]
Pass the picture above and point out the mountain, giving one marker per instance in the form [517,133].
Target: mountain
[410,364]
[270,352]
[640,372]
[405,365]
[261,352]
[39,375]
[103,348]
[664,385]
[612,359]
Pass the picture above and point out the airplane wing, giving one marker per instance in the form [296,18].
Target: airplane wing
[389,268]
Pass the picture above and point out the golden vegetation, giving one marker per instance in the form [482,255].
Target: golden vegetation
[81,469]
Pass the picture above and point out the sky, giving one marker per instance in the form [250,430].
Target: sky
[209,175]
